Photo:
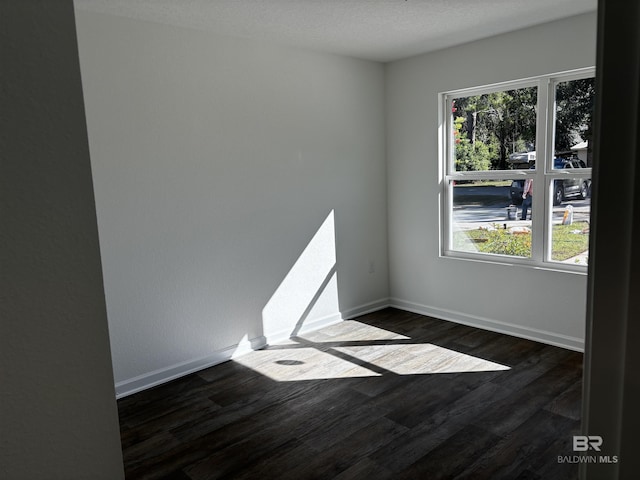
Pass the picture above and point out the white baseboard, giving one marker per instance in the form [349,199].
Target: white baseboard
[164,375]
[366,308]
[306,327]
[542,336]
[172,372]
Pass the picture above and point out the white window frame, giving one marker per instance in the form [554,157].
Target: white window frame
[543,175]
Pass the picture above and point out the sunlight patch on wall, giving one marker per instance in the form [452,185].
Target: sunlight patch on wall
[310,288]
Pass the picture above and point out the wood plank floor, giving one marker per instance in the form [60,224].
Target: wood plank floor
[388,395]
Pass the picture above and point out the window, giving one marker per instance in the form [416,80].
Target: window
[517,171]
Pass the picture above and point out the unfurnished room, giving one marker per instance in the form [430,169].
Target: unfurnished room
[319,239]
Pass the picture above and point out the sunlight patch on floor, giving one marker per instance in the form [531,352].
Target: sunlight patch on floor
[351,331]
[420,359]
[353,349]
[298,364]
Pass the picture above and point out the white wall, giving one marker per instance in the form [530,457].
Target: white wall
[547,305]
[58,416]
[216,161]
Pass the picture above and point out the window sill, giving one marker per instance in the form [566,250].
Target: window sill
[515,262]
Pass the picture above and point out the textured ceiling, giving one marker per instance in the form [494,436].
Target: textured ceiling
[381,30]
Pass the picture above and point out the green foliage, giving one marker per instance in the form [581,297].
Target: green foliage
[469,156]
[498,241]
[566,241]
[502,243]
[574,112]
[490,127]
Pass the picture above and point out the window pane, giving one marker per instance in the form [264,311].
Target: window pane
[574,119]
[494,131]
[487,218]
[570,220]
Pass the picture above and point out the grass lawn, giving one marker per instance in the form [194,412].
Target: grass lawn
[485,183]
[564,243]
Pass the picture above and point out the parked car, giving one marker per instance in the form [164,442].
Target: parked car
[562,188]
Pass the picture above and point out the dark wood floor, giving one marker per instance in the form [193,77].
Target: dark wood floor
[388,395]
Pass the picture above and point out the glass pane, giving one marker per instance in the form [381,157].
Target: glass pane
[570,220]
[574,119]
[495,131]
[488,218]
